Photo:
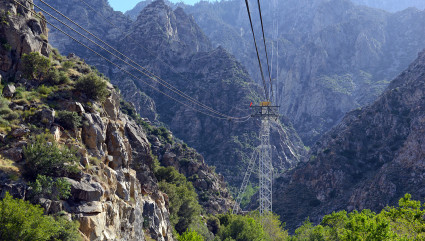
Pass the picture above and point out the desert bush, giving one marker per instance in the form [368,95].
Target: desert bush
[56,77]
[92,86]
[50,188]
[68,119]
[44,90]
[43,156]
[190,236]
[35,66]
[66,65]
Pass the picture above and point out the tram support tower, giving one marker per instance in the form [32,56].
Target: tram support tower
[266,113]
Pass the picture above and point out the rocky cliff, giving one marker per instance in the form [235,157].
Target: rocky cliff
[170,44]
[333,56]
[114,193]
[369,160]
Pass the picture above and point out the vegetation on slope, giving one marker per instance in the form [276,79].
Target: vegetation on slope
[21,220]
[405,222]
[46,161]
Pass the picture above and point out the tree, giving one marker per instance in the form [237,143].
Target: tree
[93,86]
[50,188]
[184,207]
[190,236]
[406,220]
[20,220]
[43,156]
[271,225]
[69,119]
[35,66]
[240,228]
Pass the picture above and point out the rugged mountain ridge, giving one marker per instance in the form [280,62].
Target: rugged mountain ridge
[369,160]
[392,6]
[114,193]
[330,52]
[170,44]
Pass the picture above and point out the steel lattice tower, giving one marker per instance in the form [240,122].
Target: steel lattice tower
[266,167]
[265,112]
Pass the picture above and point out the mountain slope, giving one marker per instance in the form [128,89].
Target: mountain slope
[170,44]
[369,160]
[334,56]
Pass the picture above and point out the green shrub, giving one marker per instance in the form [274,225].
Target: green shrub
[35,65]
[240,228]
[163,134]
[67,65]
[44,90]
[190,236]
[43,156]
[92,86]
[67,231]
[53,77]
[50,188]
[184,206]
[404,222]
[56,77]
[19,93]
[20,220]
[5,112]
[68,119]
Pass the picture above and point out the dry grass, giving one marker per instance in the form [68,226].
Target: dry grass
[10,168]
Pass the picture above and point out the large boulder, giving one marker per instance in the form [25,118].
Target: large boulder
[118,146]
[112,105]
[94,134]
[85,191]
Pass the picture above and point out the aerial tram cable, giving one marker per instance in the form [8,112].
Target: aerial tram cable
[266,113]
[256,49]
[265,50]
[166,85]
[116,65]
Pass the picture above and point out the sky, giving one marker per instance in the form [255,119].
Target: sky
[124,5]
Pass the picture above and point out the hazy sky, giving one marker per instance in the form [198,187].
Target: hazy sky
[124,5]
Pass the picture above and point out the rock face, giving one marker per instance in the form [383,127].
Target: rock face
[32,36]
[369,160]
[170,44]
[331,56]
[92,21]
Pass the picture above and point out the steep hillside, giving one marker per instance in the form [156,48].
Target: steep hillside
[170,44]
[71,144]
[333,56]
[369,160]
